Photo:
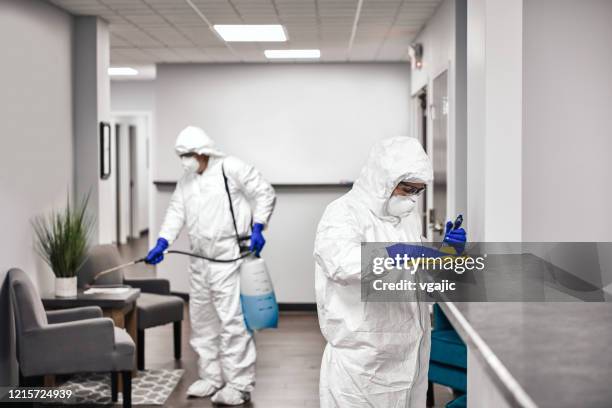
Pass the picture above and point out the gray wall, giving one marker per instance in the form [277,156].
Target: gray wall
[36,132]
[92,106]
[133,96]
[567,110]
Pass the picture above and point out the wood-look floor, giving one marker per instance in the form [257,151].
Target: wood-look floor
[288,359]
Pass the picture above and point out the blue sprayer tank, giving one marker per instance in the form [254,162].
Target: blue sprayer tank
[257,295]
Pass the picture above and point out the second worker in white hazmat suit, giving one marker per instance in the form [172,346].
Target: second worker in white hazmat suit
[200,202]
[377,352]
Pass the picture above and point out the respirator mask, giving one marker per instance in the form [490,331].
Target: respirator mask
[190,164]
[401,206]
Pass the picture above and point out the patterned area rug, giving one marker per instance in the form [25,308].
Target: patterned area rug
[150,387]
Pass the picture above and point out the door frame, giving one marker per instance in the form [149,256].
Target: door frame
[450,145]
[148,117]
[418,123]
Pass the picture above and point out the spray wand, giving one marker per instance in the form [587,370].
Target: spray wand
[170,251]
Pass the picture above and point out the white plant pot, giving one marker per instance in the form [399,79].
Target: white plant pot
[66,287]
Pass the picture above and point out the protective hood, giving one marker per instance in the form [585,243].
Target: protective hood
[391,161]
[192,139]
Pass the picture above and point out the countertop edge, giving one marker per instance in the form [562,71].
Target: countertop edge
[508,386]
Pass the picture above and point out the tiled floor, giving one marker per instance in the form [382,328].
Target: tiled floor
[288,359]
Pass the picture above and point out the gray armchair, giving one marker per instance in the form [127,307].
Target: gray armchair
[156,306]
[67,341]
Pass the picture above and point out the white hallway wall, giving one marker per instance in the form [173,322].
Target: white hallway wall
[292,228]
[539,97]
[567,139]
[289,247]
[272,115]
[567,132]
[494,119]
[35,136]
[293,225]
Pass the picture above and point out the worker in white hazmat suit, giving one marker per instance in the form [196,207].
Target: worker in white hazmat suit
[200,202]
[377,352]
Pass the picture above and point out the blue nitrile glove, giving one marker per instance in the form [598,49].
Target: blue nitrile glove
[257,239]
[455,237]
[156,255]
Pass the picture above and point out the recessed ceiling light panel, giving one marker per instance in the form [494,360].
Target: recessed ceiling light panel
[251,32]
[293,54]
[122,71]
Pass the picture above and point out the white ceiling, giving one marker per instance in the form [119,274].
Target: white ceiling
[157,31]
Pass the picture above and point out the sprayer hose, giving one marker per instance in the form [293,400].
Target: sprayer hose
[174,251]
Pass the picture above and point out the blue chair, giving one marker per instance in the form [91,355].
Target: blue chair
[460,402]
[448,360]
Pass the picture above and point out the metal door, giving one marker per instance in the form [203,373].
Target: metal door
[118,175]
[439,119]
[123,177]
[421,129]
[133,211]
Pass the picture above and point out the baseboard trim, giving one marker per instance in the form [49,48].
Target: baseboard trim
[297,307]
[283,307]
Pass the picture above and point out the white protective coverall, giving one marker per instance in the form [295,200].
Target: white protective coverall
[218,332]
[377,352]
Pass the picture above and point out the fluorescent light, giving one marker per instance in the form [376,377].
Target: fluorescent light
[292,54]
[251,32]
[116,71]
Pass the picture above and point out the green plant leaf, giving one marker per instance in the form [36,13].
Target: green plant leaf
[62,237]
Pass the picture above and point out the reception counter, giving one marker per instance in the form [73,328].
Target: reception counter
[536,354]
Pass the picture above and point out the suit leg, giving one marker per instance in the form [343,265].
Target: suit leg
[237,349]
[204,325]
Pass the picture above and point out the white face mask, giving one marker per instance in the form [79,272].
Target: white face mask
[401,206]
[190,164]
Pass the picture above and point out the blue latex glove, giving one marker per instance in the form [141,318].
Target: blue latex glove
[412,251]
[455,237]
[156,255]
[257,239]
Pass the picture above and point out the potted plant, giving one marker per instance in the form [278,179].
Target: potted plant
[62,240]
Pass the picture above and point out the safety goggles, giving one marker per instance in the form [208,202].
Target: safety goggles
[407,189]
